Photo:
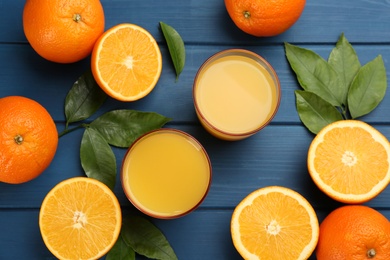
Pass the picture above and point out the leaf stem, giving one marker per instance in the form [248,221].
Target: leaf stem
[344,112]
[67,130]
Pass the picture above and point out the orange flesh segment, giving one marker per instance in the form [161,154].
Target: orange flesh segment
[276,213]
[128,62]
[80,220]
[357,164]
[274,223]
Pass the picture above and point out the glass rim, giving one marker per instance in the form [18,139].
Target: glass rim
[138,205]
[257,58]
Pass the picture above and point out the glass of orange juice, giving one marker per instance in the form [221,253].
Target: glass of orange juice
[236,93]
[166,173]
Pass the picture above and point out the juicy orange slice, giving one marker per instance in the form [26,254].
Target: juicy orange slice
[126,62]
[80,218]
[349,160]
[274,223]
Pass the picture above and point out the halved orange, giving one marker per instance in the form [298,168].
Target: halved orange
[274,223]
[349,160]
[126,62]
[80,218]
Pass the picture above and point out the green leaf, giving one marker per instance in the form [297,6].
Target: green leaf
[175,46]
[146,239]
[122,127]
[97,158]
[120,251]
[315,112]
[84,98]
[345,61]
[314,74]
[368,88]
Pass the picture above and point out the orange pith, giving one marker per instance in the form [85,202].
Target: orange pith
[349,160]
[63,31]
[354,232]
[126,62]
[264,17]
[274,223]
[28,139]
[80,218]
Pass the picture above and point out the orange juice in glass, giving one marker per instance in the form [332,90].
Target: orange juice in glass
[166,173]
[236,93]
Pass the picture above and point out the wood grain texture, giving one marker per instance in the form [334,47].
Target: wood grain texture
[275,156]
[207,22]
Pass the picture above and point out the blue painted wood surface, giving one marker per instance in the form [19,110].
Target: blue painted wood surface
[275,156]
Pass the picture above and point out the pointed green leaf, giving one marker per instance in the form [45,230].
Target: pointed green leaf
[146,239]
[175,46]
[345,61]
[314,112]
[97,158]
[368,88]
[121,127]
[84,98]
[314,74]
[120,251]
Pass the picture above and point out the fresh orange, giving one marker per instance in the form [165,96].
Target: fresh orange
[63,31]
[80,218]
[274,223]
[349,160]
[126,62]
[264,17]
[28,139]
[354,232]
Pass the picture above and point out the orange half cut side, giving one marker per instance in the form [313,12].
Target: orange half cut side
[349,160]
[80,218]
[274,223]
[126,62]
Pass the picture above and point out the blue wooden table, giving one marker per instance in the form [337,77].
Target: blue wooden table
[275,156]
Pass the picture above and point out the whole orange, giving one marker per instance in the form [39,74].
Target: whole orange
[63,31]
[354,232]
[264,18]
[28,139]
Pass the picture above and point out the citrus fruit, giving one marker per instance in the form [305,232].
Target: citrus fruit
[354,232]
[349,160]
[63,31]
[274,223]
[28,139]
[80,218]
[264,18]
[126,62]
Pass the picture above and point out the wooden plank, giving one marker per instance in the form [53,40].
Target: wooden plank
[200,235]
[275,156]
[208,22]
[25,73]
